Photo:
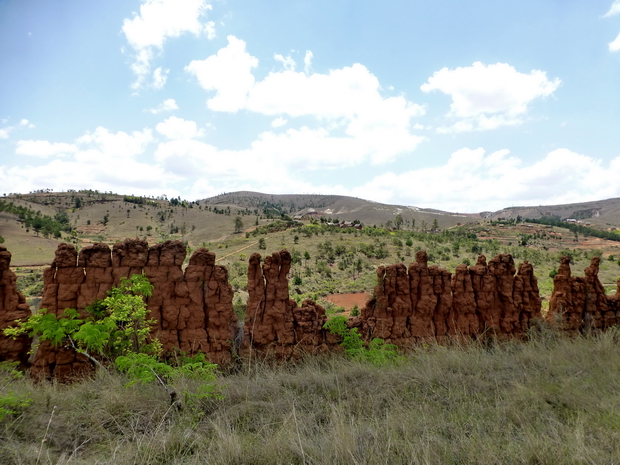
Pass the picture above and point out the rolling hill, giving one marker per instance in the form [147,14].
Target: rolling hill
[90,216]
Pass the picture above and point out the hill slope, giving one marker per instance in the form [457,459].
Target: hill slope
[600,212]
[341,207]
[96,216]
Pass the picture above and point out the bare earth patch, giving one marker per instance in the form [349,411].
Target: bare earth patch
[348,301]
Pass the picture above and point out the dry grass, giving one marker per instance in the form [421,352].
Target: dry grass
[551,400]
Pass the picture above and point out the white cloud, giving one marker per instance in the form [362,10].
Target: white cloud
[347,98]
[160,76]
[614,46]
[308,62]
[265,167]
[157,21]
[229,73]
[100,160]
[43,148]
[278,122]
[209,28]
[287,62]
[167,105]
[178,128]
[115,146]
[486,97]
[6,131]
[471,181]
[613,10]
[344,100]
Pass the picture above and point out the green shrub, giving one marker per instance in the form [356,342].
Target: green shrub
[117,330]
[377,352]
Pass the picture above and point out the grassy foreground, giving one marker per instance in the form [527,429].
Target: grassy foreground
[551,400]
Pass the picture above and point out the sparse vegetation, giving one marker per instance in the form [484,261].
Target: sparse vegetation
[503,403]
[508,403]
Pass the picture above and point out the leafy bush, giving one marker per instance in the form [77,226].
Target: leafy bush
[117,330]
[377,352]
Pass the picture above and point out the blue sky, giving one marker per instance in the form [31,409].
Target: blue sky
[456,105]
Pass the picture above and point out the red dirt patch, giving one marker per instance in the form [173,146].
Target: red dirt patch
[348,301]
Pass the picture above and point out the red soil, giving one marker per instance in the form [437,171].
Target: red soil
[348,301]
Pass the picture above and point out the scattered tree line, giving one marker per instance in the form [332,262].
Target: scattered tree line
[575,228]
[49,226]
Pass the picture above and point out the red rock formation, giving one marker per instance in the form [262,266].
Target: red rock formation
[211,324]
[463,320]
[502,267]
[442,288]
[387,315]
[409,306]
[429,303]
[488,305]
[579,303]
[423,298]
[274,324]
[269,316]
[62,283]
[310,337]
[612,317]
[13,307]
[98,276]
[526,297]
[193,311]
[563,306]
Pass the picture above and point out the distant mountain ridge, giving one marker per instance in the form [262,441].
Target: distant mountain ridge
[603,213]
[341,207]
[599,212]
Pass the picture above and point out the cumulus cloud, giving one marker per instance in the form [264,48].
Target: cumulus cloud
[613,10]
[167,105]
[229,73]
[178,128]
[308,62]
[489,96]
[100,159]
[43,148]
[115,146]
[160,76]
[158,21]
[345,100]
[472,181]
[6,131]
[278,122]
[287,62]
[614,46]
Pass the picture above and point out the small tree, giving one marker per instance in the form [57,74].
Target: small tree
[261,243]
[398,221]
[117,329]
[238,224]
[115,326]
